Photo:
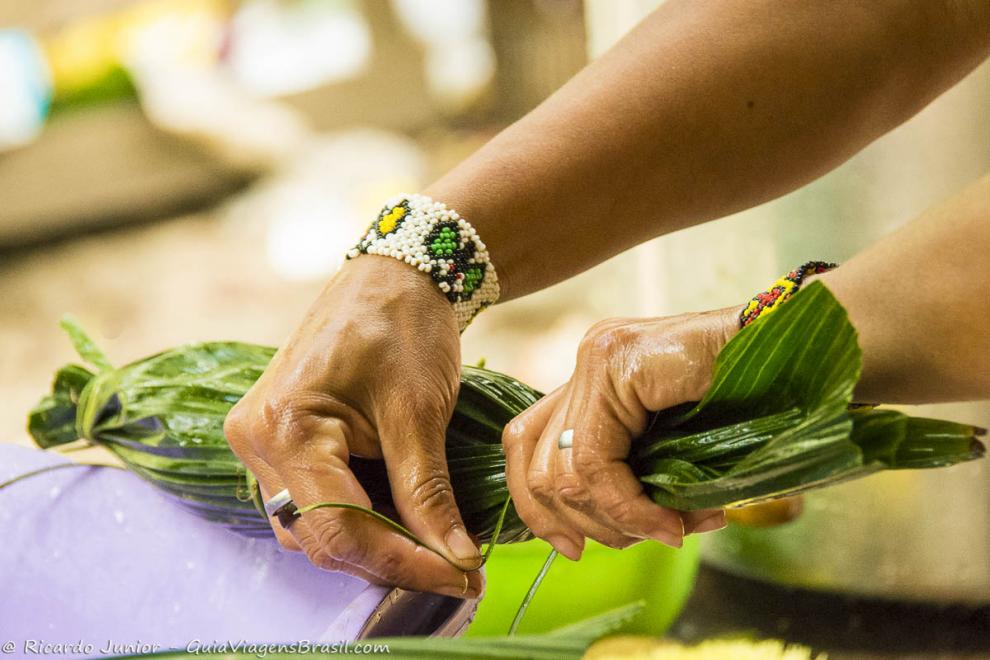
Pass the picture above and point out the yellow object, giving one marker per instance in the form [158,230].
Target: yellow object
[391,219]
[635,647]
[85,52]
[767,514]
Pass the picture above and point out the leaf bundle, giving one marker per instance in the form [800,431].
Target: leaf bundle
[777,420]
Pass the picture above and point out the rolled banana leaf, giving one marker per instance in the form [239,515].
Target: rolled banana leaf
[776,421]
[163,417]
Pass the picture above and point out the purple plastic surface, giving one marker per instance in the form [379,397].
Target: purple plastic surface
[94,555]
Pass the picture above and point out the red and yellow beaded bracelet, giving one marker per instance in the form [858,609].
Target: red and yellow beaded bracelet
[785,287]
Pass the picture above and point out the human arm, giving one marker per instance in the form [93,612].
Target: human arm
[704,109]
[707,108]
[917,298]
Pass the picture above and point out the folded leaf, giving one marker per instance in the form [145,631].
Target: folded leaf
[776,421]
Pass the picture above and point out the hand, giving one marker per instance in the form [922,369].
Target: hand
[626,369]
[373,371]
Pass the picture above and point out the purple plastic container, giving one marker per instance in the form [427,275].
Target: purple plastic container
[97,560]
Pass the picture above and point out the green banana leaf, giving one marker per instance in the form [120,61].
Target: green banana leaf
[163,417]
[776,421]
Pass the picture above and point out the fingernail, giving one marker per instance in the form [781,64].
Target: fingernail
[461,546]
[709,524]
[663,533]
[668,537]
[564,546]
[463,590]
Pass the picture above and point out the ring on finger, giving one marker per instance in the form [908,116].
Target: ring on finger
[281,507]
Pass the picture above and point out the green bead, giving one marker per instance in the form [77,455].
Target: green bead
[471,279]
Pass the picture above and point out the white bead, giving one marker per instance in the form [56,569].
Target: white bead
[407,243]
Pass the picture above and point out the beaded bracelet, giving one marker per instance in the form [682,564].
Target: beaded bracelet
[436,240]
[785,287]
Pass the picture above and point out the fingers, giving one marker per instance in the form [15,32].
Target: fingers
[414,449]
[626,370]
[705,520]
[270,484]
[564,495]
[589,485]
[519,440]
[315,470]
[601,483]
[338,538]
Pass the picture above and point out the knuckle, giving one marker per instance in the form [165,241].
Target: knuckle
[322,560]
[278,427]
[602,327]
[389,567]
[586,461]
[235,425]
[605,338]
[620,510]
[514,431]
[540,486]
[433,492]
[328,533]
[334,540]
[571,490]
[266,428]
[279,416]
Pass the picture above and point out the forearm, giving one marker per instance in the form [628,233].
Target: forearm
[920,301]
[705,109]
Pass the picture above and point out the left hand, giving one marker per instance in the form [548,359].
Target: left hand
[626,370]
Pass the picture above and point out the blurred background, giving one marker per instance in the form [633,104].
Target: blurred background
[183,170]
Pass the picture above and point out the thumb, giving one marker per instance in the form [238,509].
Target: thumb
[415,455]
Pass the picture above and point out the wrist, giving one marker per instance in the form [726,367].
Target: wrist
[721,326]
[389,290]
[864,308]
[436,240]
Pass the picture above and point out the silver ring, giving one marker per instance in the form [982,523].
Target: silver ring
[283,508]
[566,439]
[277,501]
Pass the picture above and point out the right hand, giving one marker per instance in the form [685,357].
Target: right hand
[372,371]
[626,370]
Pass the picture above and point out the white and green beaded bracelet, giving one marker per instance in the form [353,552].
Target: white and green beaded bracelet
[436,240]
